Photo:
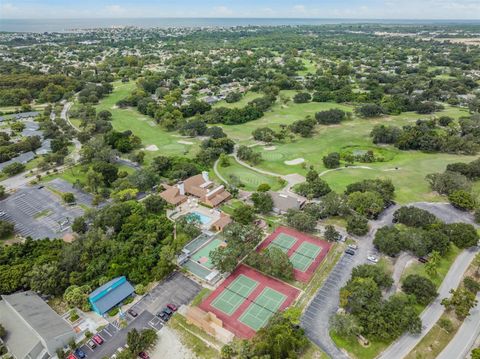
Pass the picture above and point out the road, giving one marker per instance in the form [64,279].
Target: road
[325,302]
[465,338]
[433,312]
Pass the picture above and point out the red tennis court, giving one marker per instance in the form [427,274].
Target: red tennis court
[305,252]
[247,299]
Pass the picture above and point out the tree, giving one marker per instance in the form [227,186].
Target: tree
[6,229]
[475,353]
[345,325]
[377,273]
[244,214]
[369,110]
[303,127]
[448,182]
[357,225]
[263,187]
[300,220]
[272,261]
[331,234]
[368,204]
[13,169]
[77,296]
[302,97]
[68,197]
[471,284]
[155,204]
[461,300]
[3,332]
[141,341]
[422,288]
[330,117]
[332,160]
[262,201]
[414,217]
[462,200]
[463,235]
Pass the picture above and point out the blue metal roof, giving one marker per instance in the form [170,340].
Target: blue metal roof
[110,294]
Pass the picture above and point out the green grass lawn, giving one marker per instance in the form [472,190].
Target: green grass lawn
[444,266]
[311,68]
[249,178]
[144,126]
[249,96]
[357,350]
[413,166]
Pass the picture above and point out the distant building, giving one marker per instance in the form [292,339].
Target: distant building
[283,202]
[110,295]
[222,222]
[34,330]
[174,195]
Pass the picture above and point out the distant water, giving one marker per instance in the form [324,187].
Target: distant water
[65,25]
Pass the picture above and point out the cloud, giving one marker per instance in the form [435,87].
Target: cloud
[115,10]
[222,11]
[300,9]
[8,9]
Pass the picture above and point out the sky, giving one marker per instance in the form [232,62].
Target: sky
[354,9]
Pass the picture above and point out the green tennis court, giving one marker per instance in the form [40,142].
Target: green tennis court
[304,256]
[262,308]
[284,242]
[229,300]
[202,256]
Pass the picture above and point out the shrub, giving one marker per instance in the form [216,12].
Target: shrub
[140,289]
[68,197]
[6,229]
[263,187]
[13,169]
[332,160]
[445,324]
[302,97]
[471,284]
[113,312]
[462,200]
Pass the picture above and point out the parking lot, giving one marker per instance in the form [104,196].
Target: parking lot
[38,213]
[176,289]
[63,186]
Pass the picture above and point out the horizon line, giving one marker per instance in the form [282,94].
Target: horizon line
[238,18]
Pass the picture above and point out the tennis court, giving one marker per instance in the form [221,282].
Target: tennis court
[234,294]
[247,299]
[284,242]
[262,308]
[304,251]
[202,256]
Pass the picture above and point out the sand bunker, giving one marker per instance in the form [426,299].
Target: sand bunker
[185,142]
[269,148]
[296,161]
[152,148]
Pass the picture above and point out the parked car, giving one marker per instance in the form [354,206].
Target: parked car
[143,355]
[132,313]
[91,344]
[163,316]
[372,259]
[350,251]
[98,339]
[71,356]
[353,247]
[79,353]
[172,307]
[423,260]
[2,213]
[168,311]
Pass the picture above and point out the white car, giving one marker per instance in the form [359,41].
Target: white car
[372,259]
[353,246]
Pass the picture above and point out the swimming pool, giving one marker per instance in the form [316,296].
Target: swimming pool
[203,218]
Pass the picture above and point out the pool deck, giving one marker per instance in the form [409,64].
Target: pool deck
[191,206]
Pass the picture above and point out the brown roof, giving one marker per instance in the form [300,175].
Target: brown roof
[222,222]
[172,195]
[219,198]
[192,185]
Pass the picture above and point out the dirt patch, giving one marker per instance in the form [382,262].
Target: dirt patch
[151,148]
[170,347]
[269,148]
[185,142]
[296,161]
